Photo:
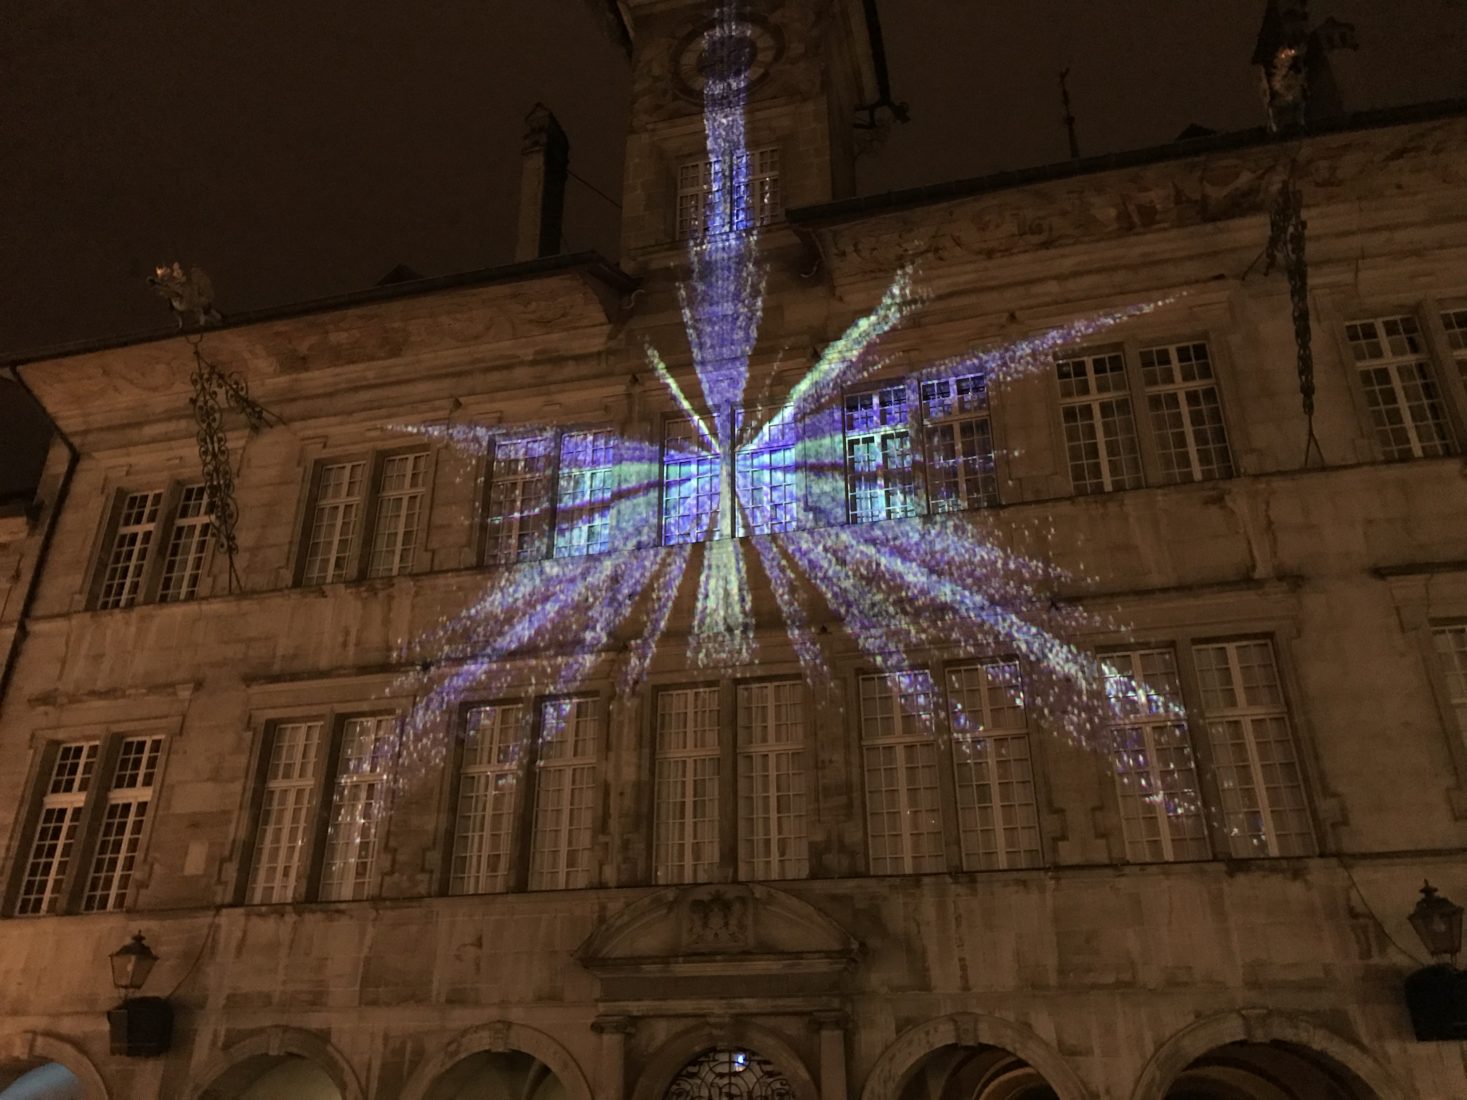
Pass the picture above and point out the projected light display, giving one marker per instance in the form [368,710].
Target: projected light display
[823,491]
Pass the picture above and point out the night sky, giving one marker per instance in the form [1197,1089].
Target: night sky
[298,150]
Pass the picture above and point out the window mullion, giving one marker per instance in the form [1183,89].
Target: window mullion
[1141,414]
[89,826]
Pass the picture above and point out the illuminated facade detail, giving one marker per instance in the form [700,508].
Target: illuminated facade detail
[686,782]
[762,203]
[692,486]
[961,472]
[583,497]
[1155,772]
[286,824]
[993,772]
[773,789]
[1451,651]
[726,1073]
[124,815]
[1264,811]
[1454,323]
[357,810]
[488,800]
[767,473]
[1396,373]
[54,840]
[517,520]
[335,522]
[401,488]
[565,793]
[1186,412]
[188,542]
[137,524]
[899,757]
[880,476]
[1100,428]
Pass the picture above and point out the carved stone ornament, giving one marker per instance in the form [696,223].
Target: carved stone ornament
[717,919]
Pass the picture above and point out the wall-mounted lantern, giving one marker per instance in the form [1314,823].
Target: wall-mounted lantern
[1437,994]
[141,1027]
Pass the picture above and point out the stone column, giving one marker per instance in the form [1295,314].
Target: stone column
[611,1074]
[832,1029]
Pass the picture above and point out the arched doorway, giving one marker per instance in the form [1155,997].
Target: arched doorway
[975,1073]
[47,1081]
[1267,1071]
[269,1077]
[729,1073]
[498,1075]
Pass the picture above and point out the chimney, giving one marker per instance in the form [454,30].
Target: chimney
[546,159]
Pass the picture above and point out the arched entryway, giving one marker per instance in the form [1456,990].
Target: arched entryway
[976,1073]
[1267,1071]
[269,1077]
[47,1081]
[38,1067]
[730,1073]
[968,1056]
[498,1075]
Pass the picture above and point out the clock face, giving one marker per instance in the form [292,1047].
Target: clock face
[752,49]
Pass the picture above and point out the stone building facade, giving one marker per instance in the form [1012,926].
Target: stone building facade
[173,748]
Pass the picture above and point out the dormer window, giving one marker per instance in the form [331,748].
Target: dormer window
[763,200]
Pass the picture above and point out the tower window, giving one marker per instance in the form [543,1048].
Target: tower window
[750,196]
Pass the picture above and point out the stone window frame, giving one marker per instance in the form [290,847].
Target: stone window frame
[115,495]
[1041,763]
[264,723]
[45,744]
[758,171]
[1337,311]
[523,824]
[728,757]
[374,460]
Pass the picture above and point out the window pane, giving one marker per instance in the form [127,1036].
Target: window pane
[1451,649]
[122,578]
[685,831]
[123,817]
[765,468]
[399,514]
[880,480]
[1151,758]
[960,463]
[691,485]
[519,499]
[998,822]
[702,206]
[358,807]
[1259,780]
[187,543]
[333,532]
[565,792]
[1399,388]
[287,806]
[488,798]
[1455,322]
[55,835]
[1186,413]
[1100,432]
[583,523]
[899,753]
[772,801]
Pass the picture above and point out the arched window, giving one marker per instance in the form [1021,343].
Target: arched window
[729,1073]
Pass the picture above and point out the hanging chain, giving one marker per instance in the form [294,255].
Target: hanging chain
[1287,233]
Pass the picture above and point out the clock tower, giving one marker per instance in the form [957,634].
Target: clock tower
[813,70]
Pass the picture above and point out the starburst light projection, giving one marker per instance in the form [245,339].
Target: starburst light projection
[859,499]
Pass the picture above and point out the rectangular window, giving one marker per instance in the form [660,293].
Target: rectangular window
[401,487]
[357,808]
[765,468]
[899,754]
[488,800]
[1100,430]
[55,835]
[1151,759]
[519,499]
[880,478]
[686,781]
[1455,323]
[583,512]
[137,524]
[1451,650]
[1405,405]
[124,814]
[960,464]
[773,841]
[565,794]
[286,827]
[762,204]
[998,821]
[334,522]
[1186,413]
[692,477]
[187,543]
[1257,767]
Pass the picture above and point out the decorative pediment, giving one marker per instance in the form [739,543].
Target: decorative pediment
[749,939]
